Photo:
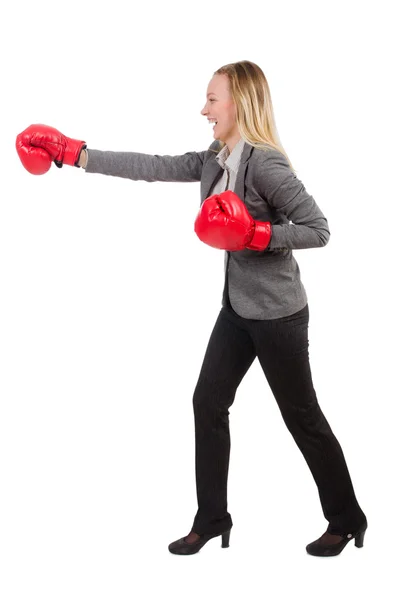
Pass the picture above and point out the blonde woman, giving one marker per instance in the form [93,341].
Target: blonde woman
[255,209]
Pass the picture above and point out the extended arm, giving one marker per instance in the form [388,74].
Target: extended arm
[147,167]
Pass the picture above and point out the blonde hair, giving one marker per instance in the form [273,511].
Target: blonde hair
[254,109]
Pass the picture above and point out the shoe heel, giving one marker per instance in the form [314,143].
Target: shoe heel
[225,539]
[359,540]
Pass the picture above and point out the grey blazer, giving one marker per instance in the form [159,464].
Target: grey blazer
[258,284]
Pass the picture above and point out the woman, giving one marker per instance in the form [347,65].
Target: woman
[249,196]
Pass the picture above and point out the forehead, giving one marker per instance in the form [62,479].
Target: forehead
[217,86]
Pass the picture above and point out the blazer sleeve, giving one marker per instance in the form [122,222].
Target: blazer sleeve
[283,191]
[146,167]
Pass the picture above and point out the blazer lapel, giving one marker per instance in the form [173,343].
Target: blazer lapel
[239,189]
[213,171]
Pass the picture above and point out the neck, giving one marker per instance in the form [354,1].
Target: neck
[231,142]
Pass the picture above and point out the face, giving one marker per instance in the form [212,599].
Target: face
[220,106]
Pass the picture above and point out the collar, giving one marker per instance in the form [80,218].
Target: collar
[230,160]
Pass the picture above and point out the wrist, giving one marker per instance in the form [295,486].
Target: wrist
[83,158]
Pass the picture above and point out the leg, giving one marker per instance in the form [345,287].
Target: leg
[229,355]
[282,348]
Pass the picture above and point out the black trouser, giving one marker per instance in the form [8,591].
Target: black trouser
[281,346]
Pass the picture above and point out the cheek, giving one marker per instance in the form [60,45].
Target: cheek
[231,113]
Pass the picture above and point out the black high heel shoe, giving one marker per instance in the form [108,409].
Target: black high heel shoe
[319,548]
[182,547]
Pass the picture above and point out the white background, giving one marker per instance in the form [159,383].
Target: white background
[108,300]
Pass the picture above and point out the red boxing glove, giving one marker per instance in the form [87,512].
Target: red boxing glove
[224,222]
[38,145]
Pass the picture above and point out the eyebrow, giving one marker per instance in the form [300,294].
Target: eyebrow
[209,94]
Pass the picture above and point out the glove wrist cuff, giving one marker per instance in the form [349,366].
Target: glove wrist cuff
[72,152]
[262,236]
